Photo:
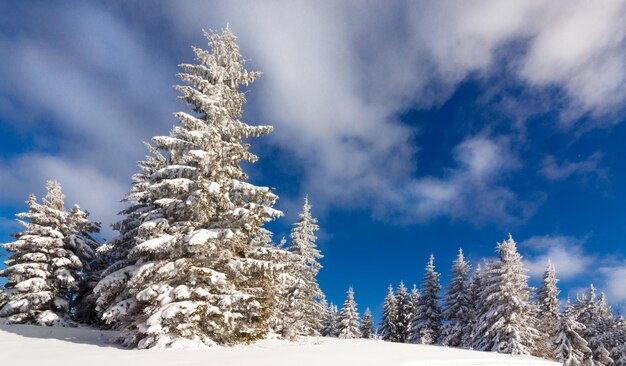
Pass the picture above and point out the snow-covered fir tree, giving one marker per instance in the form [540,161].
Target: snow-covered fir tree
[457,309]
[507,323]
[199,267]
[113,295]
[349,318]
[388,329]
[304,310]
[618,352]
[415,296]
[600,356]
[548,312]
[48,261]
[569,345]
[426,324]
[367,325]
[597,318]
[331,321]
[607,329]
[547,294]
[474,290]
[404,313]
[116,251]
[586,308]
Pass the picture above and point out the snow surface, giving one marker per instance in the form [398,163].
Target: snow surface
[32,345]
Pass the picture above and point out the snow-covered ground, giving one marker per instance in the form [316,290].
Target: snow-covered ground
[31,345]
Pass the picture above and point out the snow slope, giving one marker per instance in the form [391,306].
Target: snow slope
[30,345]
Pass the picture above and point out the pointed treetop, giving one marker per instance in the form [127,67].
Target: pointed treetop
[55,197]
[507,250]
[306,208]
[592,293]
[550,270]
[431,261]
[402,287]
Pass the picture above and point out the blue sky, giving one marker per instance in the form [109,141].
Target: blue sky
[415,127]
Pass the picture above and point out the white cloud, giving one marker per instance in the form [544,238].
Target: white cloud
[472,190]
[565,252]
[82,184]
[89,91]
[615,283]
[553,170]
[337,75]
[580,47]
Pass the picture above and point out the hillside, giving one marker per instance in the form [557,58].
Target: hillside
[31,345]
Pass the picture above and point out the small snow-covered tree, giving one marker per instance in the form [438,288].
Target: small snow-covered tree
[474,290]
[619,355]
[548,311]
[587,309]
[569,345]
[547,294]
[599,354]
[367,325]
[457,309]
[303,294]
[608,329]
[405,314]
[349,318]
[618,352]
[597,317]
[507,324]
[48,261]
[331,322]
[426,324]
[414,297]
[199,267]
[388,329]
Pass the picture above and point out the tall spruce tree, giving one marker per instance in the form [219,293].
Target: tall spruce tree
[48,261]
[367,325]
[349,318]
[507,324]
[304,309]
[426,324]
[200,267]
[404,313]
[388,329]
[457,309]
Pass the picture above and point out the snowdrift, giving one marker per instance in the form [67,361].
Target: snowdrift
[23,345]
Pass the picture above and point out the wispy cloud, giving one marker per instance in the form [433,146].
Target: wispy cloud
[82,184]
[337,76]
[472,190]
[565,252]
[575,263]
[554,170]
[615,281]
[580,47]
